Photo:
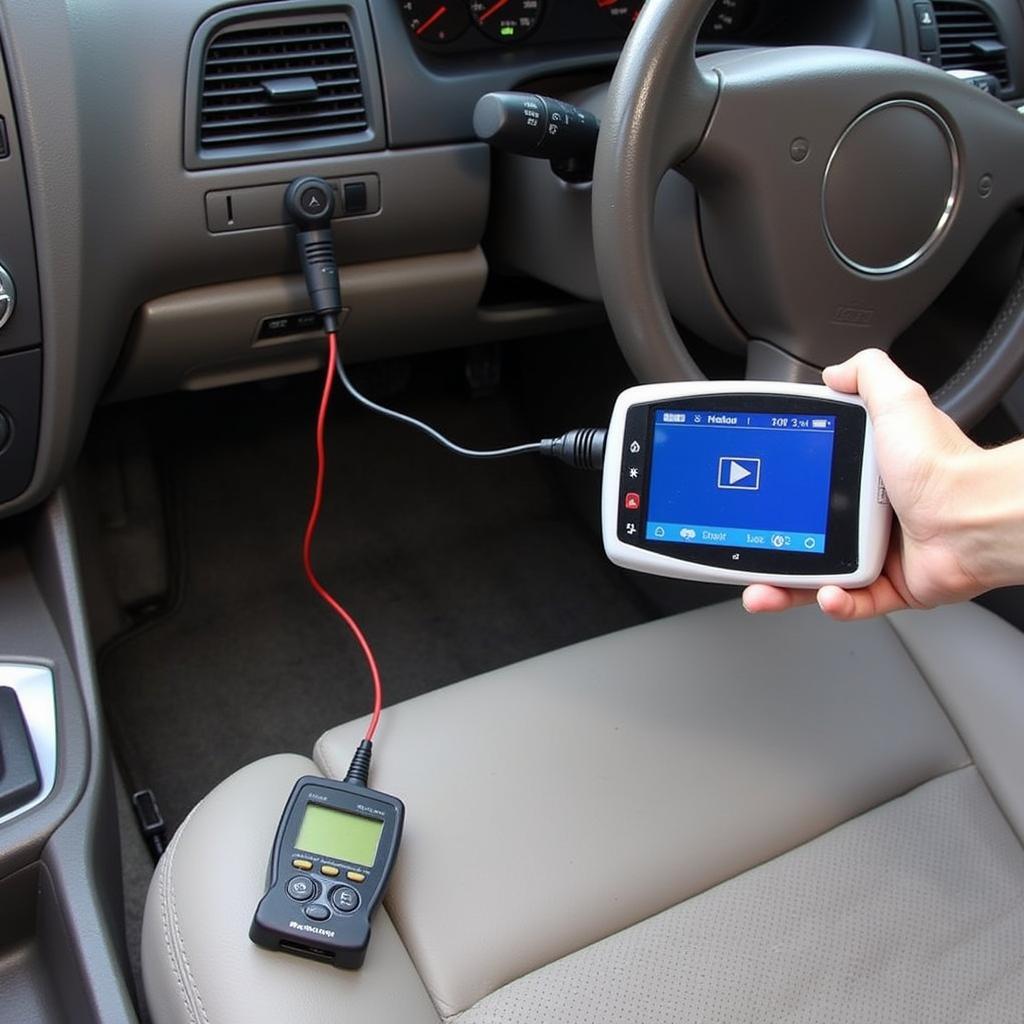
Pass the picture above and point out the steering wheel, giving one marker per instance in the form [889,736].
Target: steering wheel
[840,191]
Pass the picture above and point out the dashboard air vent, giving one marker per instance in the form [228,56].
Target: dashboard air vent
[281,85]
[969,38]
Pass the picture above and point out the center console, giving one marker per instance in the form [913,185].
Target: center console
[62,953]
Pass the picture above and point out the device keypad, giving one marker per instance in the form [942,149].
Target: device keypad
[342,899]
[633,476]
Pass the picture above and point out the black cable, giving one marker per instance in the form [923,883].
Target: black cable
[582,448]
[401,417]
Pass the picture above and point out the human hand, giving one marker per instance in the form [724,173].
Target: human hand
[959,527]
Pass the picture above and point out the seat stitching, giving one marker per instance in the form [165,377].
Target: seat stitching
[184,957]
[165,923]
[191,988]
[177,930]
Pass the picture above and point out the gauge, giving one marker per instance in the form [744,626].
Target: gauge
[728,18]
[434,21]
[622,12]
[506,20]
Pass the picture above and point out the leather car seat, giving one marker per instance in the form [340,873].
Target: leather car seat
[711,817]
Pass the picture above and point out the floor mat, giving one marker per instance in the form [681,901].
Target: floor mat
[452,568]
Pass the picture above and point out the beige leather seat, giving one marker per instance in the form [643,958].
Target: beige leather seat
[709,818]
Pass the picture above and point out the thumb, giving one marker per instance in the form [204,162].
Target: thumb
[884,387]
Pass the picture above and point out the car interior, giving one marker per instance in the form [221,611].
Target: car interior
[597,794]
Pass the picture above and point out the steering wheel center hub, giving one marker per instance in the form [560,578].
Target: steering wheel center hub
[890,187]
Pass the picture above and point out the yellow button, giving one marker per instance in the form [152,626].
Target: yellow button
[355,876]
[302,865]
[329,870]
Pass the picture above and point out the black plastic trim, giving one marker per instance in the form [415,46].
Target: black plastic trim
[21,376]
[17,245]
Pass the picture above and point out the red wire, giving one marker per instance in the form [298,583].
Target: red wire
[307,543]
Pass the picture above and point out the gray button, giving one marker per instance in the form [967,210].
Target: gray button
[345,899]
[302,888]
[356,197]
[316,912]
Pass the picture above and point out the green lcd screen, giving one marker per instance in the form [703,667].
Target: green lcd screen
[338,834]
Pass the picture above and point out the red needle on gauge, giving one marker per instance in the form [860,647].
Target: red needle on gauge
[439,13]
[493,9]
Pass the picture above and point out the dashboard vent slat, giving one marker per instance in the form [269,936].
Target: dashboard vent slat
[227,93]
[315,57]
[251,40]
[240,138]
[237,112]
[285,120]
[963,23]
[256,104]
[274,72]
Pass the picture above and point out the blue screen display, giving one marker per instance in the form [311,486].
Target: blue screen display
[741,480]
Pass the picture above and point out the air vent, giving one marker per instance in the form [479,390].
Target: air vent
[280,87]
[969,38]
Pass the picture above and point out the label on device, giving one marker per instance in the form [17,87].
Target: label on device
[744,482]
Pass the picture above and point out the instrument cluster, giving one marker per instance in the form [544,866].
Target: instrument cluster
[465,25]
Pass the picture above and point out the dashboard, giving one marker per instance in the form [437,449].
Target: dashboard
[141,173]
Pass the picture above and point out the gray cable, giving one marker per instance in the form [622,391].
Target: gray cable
[401,417]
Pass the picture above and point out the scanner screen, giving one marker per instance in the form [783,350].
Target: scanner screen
[741,479]
[327,832]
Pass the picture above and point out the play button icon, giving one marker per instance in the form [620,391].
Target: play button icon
[739,474]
